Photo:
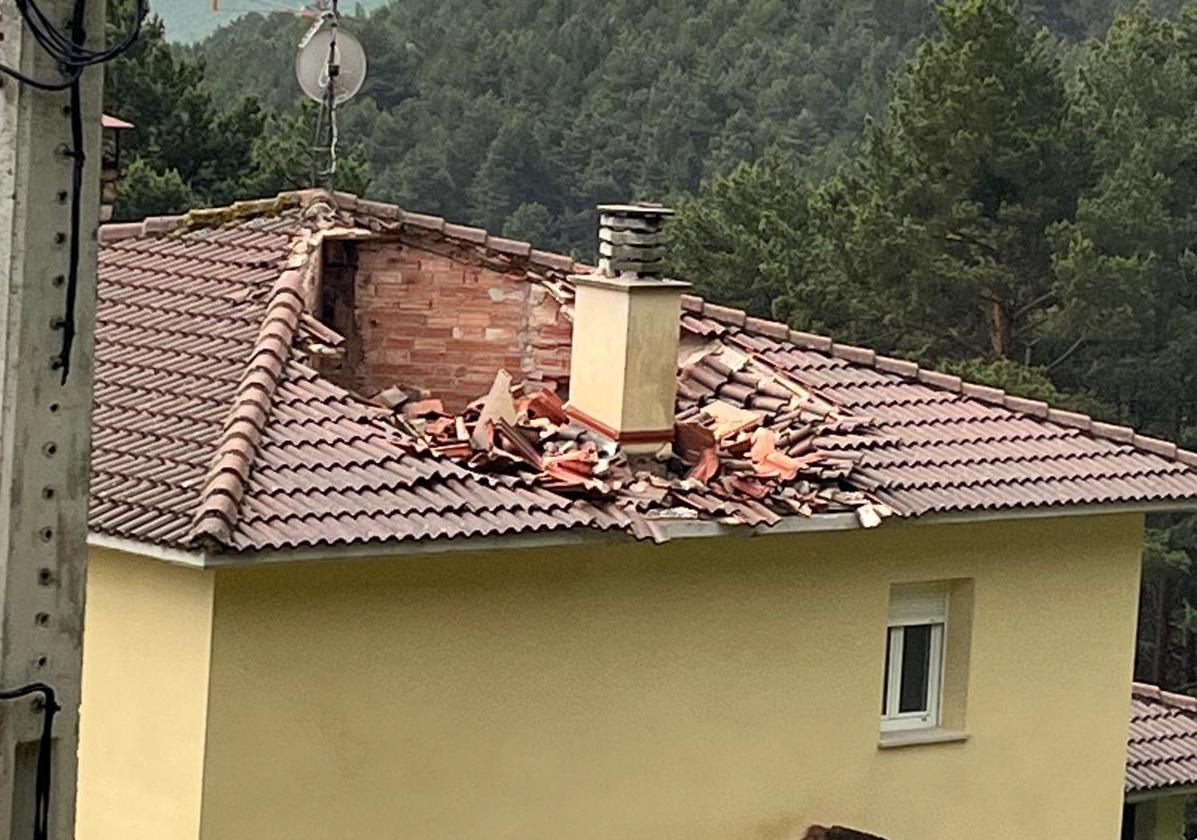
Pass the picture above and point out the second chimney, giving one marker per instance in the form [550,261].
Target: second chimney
[623,367]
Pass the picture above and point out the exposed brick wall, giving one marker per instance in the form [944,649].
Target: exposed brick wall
[441,321]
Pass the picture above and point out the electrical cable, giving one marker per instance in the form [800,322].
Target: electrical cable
[78,159]
[73,57]
[45,754]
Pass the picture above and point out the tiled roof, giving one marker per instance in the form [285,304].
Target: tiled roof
[940,445]
[1162,744]
[209,428]
[108,121]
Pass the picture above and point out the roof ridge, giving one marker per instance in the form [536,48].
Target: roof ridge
[220,500]
[347,202]
[204,217]
[865,357]
[518,248]
[1146,691]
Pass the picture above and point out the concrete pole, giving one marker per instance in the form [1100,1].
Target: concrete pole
[44,424]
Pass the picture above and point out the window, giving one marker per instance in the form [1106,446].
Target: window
[914,658]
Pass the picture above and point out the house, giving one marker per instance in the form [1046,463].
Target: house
[111,129]
[1161,763]
[743,583]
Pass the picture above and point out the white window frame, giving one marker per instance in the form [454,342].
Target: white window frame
[912,607]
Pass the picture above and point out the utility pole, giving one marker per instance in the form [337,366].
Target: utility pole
[44,422]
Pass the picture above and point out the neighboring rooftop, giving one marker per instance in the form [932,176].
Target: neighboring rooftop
[213,427]
[115,123]
[1162,745]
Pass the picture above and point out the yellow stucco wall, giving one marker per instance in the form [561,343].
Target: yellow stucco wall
[705,690]
[146,650]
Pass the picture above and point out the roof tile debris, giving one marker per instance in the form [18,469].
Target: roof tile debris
[1162,743]
[739,465]
[212,429]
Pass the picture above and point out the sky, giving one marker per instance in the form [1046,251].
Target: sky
[188,21]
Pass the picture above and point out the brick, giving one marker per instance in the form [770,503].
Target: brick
[458,322]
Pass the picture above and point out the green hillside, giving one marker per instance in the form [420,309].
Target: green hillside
[522,115]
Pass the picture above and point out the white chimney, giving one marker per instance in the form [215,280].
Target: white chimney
[623,368]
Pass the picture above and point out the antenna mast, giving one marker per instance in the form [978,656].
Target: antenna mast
[324,148]
[331,67]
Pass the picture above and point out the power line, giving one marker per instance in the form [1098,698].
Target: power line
[41,792]
[73,57]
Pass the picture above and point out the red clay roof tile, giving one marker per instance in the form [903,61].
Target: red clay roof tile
[1162,741]
[208,422]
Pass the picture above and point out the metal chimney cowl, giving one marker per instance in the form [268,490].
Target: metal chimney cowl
[623,365]
[632,239]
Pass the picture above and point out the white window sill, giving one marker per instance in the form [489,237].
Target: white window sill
[918,737]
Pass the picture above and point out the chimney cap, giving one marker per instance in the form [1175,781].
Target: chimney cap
[641,208]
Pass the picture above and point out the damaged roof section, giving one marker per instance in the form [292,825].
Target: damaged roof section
[734,465]
[211,431]
[214,426]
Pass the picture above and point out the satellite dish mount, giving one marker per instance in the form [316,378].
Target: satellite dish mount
[330,66]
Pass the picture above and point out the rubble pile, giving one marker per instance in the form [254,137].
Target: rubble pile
[746,464]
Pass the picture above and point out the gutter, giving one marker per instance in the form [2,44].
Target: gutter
[678,529]
[174,556]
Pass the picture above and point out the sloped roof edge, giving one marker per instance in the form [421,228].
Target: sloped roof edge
[220,501]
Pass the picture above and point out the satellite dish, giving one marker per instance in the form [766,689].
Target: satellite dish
[312,64]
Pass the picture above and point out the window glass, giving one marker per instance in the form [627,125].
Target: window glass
[916,669]
[889,652]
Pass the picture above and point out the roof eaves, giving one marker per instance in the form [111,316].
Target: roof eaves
[155,551]
[1137,794]
[671,529]
[1050,511]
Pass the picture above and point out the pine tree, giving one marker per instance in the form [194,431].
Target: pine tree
[957,189]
